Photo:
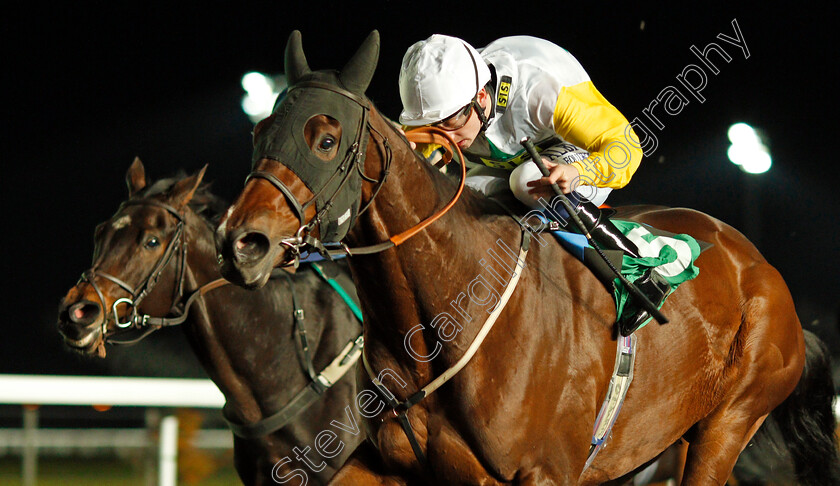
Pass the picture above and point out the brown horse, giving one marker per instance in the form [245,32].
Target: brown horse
[522,410]
[247,341]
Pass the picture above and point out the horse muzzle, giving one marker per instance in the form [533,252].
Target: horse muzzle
[247,257]
[80,325]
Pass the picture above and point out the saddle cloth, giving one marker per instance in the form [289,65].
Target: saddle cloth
[671,255]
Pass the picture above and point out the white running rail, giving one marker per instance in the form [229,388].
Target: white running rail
[95,390]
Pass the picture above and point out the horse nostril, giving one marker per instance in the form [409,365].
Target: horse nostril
[251,247]
[84,312]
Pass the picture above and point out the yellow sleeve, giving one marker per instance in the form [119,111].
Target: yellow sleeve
[426,149]
[585,118]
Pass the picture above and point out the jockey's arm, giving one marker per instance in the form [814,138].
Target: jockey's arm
[585,118]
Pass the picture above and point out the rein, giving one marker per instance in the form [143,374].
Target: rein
[354,160]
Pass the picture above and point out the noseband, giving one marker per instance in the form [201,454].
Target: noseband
[353,162]
[136,321]
[303,241]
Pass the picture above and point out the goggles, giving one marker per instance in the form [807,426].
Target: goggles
[457,120]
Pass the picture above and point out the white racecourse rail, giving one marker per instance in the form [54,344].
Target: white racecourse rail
[96,390]
[143,392]
[137,392]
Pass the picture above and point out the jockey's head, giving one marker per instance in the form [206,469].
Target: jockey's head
[442,83]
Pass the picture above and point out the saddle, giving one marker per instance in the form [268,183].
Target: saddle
[672,255]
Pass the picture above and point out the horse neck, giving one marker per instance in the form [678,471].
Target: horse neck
[201,253]
[220,328]
[417,281]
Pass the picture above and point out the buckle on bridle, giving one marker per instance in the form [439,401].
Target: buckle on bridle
[130,321]
[294,245]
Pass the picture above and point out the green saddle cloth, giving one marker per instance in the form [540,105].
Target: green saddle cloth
[672,255]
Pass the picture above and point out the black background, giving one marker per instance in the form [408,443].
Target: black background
[90,86]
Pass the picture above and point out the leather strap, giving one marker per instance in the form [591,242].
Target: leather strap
[330,375]
[419,135]
[318,383]
[300,402]
[400,409]
[276,182]
[361,101]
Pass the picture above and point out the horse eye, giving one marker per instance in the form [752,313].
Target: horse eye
[327,144]
[152,243]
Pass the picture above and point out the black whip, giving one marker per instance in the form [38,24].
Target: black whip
[634,291]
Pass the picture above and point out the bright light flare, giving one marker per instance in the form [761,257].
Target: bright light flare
[748,150]
[261,92]
[742,133]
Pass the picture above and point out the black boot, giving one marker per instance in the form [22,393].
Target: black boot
[603,231]
[655,288]
[651,284]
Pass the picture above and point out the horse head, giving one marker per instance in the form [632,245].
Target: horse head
[307,167]
[138,252]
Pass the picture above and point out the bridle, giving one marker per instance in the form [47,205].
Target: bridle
[353,160]
[143,322]
[318,382]
[303,238]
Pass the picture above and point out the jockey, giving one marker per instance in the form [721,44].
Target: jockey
[518,87]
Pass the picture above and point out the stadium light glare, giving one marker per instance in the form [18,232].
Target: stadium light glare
[261,91]
[748,150]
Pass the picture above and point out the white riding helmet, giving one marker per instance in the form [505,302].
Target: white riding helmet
[439,76]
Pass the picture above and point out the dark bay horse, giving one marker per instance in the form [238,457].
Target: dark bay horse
[328,167]
[247,341]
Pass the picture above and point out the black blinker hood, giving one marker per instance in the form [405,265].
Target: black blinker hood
[337,183]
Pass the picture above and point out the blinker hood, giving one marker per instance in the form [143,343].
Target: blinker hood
[337,183]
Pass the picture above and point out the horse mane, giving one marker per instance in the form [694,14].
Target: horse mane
[204,203]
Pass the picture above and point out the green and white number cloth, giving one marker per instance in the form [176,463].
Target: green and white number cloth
[671,256]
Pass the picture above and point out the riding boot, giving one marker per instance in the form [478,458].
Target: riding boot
[651,284]
[603,230]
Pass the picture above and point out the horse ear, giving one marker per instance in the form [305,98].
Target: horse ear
[183,191]
[358,71]
[296,65]
[135,178]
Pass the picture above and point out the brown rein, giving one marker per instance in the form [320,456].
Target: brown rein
[440,137]
[419,135]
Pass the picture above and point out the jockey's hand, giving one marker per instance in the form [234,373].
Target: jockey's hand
[565,175]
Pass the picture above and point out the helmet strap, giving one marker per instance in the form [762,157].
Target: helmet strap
[479,110]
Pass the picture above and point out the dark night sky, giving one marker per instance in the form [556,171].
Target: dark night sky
[88,88]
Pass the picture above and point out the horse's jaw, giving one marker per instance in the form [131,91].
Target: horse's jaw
[250,277]
[89,344]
